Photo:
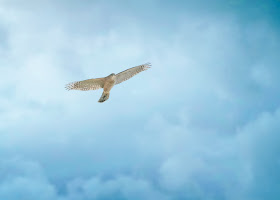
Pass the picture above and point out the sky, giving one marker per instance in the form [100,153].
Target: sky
[202,124]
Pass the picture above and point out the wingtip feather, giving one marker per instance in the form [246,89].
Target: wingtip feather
[70,86]
[147,66]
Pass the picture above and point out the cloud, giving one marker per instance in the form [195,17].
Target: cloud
[22,179]
[201,124]
[260,151]
[119,188]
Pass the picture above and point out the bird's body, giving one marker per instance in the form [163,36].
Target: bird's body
[107,83]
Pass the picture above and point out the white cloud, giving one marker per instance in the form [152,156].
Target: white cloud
[190,127]
[22,179]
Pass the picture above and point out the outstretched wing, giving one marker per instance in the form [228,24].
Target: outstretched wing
[129,73]
[90,84]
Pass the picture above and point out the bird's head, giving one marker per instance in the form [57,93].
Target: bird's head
[112,74]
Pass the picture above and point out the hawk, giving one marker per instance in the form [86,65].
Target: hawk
[108,82]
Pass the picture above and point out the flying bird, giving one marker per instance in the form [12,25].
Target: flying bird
[108,82]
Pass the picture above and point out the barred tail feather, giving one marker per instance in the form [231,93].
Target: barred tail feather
[104,97]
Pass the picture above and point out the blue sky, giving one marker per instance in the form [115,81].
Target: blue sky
[202,123]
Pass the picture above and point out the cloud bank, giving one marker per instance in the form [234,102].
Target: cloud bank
[203,123]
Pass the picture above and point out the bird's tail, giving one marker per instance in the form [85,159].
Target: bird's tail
[104,97]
